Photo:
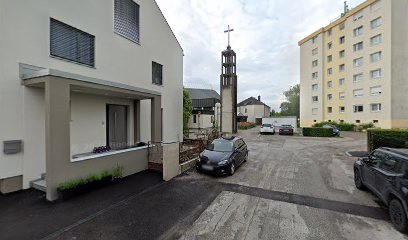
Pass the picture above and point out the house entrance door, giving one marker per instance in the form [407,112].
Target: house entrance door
[116,118]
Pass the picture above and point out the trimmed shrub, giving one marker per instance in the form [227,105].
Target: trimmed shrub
[377,138]
[246,125]
[341,126]
[317,132]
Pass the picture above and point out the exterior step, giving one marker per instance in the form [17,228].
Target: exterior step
[39,184]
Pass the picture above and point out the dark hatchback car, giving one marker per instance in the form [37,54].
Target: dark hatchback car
[336,131]
[385,173]
[223,156]
[286,130]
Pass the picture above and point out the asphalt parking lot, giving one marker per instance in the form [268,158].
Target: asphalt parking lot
[290,188]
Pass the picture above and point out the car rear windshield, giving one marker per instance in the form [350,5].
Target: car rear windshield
[220,146]
[286,126]
[266,125]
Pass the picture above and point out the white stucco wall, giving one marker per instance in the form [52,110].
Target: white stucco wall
[254,111]
[204,121]
[24,38]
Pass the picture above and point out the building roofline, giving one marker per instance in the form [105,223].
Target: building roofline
[338,21]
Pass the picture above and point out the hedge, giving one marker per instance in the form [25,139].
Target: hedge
[341,126]
[246,125]
[386,138]
[318,132]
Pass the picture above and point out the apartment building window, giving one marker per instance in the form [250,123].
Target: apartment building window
[314,63]
[314,39]
[358,46]
[315,99]
[157,73]
[358,31]
[341,54]
[375,107]
[375,91]
[342,109]
[314,87]
[341,81]
[329,71]
[358,92]
[329,97]
[358,77]
[315,51]
[342,67]
[376,39]
[375,57]
[341,26]
[314,111]
[342,95]
[329,45]
[376,73]
[329,58]
[315,75]
[376,23]
[329,110]
[358,108]
[342,39]
[358,62]
[376,5]
[357,16]
[71,44]
[329,32]
[126,22]
[329,84]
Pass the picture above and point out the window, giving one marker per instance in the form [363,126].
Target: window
[357,16]
[329,97]
[342,95]
[341,81]
[126,23]
[72,44]
[358,62]
[375,91]
[314,87]
[314,111]
[246,110]
[157,73]
[314,63]
[375,107]
[329,109]
[329,32]
[342,67]
[342,109]
[358,92]
[315,99]
[358,46]
[375,121]
[342,39]
[358,121]
[358,31]
[329,58]
[375,57]
[358,77]
[314,39]
[376,23]
[329,84]
[315,75]
[329,71]
[194,118]
[315,51]
[341,54]
[358,108]
[376,39]
[375,6]
[376,73]
[329,45]
[341,26]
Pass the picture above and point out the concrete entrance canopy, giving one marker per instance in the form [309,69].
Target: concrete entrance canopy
[58,86]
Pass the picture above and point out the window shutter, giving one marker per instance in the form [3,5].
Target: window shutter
[127,19]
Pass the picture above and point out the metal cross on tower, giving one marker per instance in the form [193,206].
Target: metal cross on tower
[228,31]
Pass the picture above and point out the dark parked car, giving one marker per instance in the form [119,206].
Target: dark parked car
[336,131]
[286,130]
[223,156]
[385,173]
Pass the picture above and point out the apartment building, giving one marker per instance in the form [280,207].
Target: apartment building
[355,69]
[81,74]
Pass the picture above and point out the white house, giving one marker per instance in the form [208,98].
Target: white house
[254,109]
[81,74]
[204,108]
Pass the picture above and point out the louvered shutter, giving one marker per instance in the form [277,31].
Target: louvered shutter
[127,19]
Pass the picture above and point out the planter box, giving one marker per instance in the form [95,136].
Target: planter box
[82,189]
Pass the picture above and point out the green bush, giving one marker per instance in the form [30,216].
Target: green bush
[71,184]
[386,138]
[317,132]
[246,125]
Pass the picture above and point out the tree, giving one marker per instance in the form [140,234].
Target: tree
[291,106]
[187,110]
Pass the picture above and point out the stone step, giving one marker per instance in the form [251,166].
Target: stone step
[39,184]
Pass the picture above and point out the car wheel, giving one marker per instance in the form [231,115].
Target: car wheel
[232,169]
[397,215]
[357,180]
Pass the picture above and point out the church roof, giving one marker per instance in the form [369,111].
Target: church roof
[251,101]
[196,93]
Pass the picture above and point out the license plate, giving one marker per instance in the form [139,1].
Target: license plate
[207,167]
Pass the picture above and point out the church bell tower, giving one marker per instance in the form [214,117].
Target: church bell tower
[228,89]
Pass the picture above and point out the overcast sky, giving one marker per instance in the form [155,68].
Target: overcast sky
[265,37]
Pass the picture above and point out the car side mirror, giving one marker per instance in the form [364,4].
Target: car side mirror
[367,159]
